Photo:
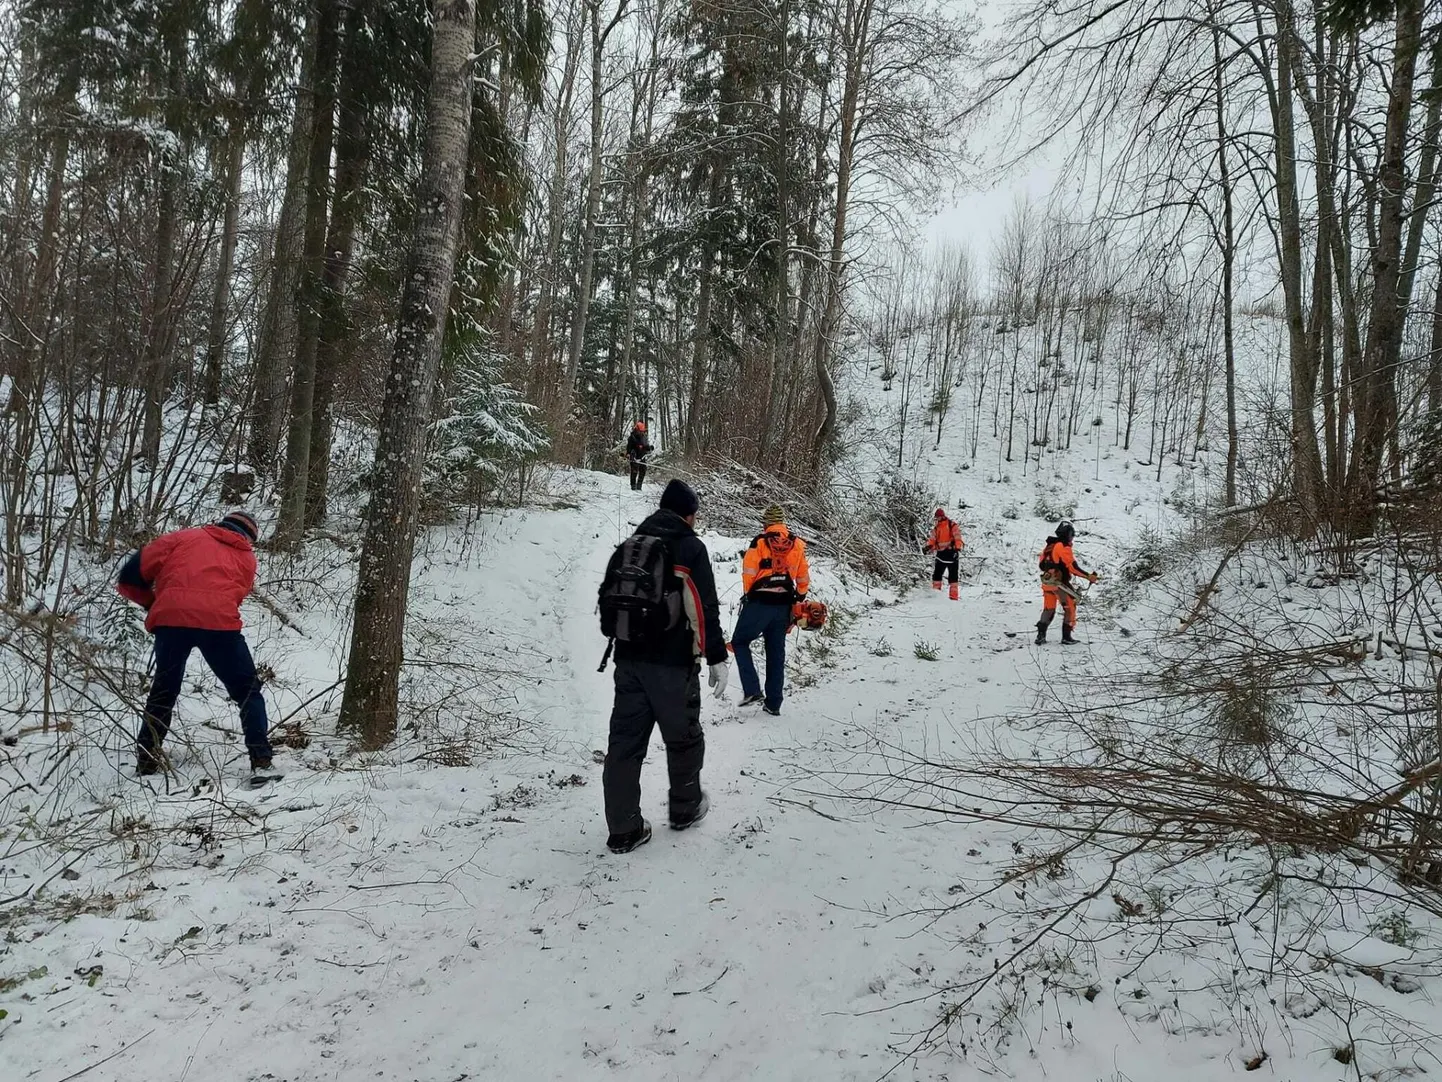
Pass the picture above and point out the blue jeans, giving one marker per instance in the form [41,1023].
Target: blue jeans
[768,623]
[229,658]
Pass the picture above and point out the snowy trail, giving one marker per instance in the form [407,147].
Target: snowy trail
[727,952]
[438,924]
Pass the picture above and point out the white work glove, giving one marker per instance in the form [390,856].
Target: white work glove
[720,677]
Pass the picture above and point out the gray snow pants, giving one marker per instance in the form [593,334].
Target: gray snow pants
[649,694]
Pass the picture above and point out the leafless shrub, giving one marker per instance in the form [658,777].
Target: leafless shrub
[874,529]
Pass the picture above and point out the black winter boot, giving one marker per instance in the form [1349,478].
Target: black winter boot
[1066,638]
[1041,626]
[624,843]
[690,819]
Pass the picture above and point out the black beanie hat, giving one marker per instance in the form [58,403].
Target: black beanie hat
[241,523]
[681,498]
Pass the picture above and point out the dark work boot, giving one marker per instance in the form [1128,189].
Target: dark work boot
[1066,638]
[1041,626]
[624,843]
[690,819]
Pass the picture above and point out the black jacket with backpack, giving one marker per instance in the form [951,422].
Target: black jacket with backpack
[637,448]
[698,634]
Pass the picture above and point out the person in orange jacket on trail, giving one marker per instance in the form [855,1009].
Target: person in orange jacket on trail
[774,577]
[946,543]
[1058,565]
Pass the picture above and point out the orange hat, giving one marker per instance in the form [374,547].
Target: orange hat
[640,426]
[940,513]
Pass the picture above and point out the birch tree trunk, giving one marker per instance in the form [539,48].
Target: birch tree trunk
[370,704]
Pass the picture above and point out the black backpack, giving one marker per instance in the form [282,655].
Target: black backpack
[1047,563]
[639,597]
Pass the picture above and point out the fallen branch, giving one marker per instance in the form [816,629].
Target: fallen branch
[1205,596]
[107,1059]
[708,988]
[276,611]
[808,806]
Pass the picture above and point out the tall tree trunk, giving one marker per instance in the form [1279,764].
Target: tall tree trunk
[781,239]
[1306,455]
[37,288]
[1326,121]
[633,274]
[370,704]
[556,205]
[276,344]
[645,104]
[295,478]
[1421,202]
[19,423]
[220,303]
[593,206]
[700,348]
[1229,254]
[856,40]
[155,366]
[1434,366]
[352,164]
[1375,403]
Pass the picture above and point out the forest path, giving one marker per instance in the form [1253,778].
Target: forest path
[468,923]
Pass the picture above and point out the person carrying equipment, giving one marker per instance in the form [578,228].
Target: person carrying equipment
[659,608]
[946,543]
[637,448]
[774,578]
[190,584]
[1058,565]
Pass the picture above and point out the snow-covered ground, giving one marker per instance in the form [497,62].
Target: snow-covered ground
[416,921]
[447,910]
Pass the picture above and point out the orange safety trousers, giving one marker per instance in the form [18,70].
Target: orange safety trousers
[1051,595]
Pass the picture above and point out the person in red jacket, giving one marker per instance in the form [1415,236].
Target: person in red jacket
[190,584]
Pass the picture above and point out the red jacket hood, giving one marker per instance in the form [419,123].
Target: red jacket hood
[230,537]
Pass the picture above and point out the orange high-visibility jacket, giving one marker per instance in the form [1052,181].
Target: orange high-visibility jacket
[1059,558]
[780,577]
[947,535]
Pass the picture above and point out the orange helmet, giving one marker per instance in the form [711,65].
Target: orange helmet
[941,512]
[640,426]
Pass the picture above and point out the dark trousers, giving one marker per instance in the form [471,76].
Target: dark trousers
[649,694]
[946,564]
[229,658]
[638,474]
[768,623]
